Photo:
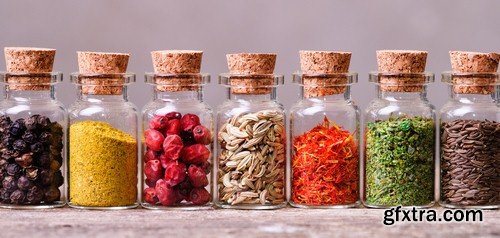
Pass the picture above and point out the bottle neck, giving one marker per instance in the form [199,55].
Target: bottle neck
[474,98]
[253,97]
[402,96]
[100,98]
[29,95]
[178,96]
[339,97]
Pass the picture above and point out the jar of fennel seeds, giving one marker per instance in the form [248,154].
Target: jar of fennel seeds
[251,137]
[178,134]
[399,134]
[103,158]
[470,132]
[324,133]
[32,131]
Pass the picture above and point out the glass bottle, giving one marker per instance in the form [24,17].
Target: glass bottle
[103,157]
[399,142]
[470,141]
[33,131]
[324,142]
[251,144]
[180,124]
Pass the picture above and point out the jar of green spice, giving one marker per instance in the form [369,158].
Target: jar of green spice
[399,134]
[103,157]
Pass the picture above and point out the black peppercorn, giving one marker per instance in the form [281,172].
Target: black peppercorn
[52,194]
[29,137]
[34,195]
[17,197]
[32,122]
[13,170]
[24,183]
[45,177]
[8,141]
[36,147]
[17,128]
[32,173]
[20,145]
[58,179]
[44,122]
[55,165]
[5,123]
[45,137]
[43,160]
[25,160]
[5,195]
[9,183]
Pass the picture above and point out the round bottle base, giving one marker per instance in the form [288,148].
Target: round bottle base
[135,205]
[34,207]
[431,204]
[340,206]
[208,206]
[456,206]
[252,206]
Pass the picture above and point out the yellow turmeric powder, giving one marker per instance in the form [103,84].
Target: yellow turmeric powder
[102,165]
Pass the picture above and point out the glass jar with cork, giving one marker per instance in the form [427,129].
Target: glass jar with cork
[250,165]
[32,131]
[324,128]
[399,133]
[470,132]
[178,133]
[103,158]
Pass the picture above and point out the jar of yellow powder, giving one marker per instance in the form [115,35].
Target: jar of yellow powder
[103,158]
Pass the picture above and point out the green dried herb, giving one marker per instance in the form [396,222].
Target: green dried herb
[400,161]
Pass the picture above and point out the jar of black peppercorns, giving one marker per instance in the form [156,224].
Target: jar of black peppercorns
[32,131]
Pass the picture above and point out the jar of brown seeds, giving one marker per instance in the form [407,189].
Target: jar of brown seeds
[470,132]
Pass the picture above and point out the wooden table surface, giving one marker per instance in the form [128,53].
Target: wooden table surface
[287,222]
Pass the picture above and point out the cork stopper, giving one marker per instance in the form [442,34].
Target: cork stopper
[101,63]
[479,64]
[30,61]
[181,66]
[405,62]
[251,73]
[322,72]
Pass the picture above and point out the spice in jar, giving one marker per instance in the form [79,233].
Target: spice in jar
[176,162]
[31,160]
[325,166]
[400,161]
[102,165]
[252,159]
[470,158]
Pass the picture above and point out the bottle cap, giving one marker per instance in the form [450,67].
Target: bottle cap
[29,60]
[177,70]
[107,68]
[251,73]
[323,72]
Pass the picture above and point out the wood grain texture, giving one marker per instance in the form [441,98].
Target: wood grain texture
[230,223]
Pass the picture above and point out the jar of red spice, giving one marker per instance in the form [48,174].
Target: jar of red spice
[399,133]
[32,131]
[324,133]
[470,132]
[178,134]
[251,137]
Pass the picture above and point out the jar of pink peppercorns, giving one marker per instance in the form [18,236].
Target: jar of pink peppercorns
[177,128]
